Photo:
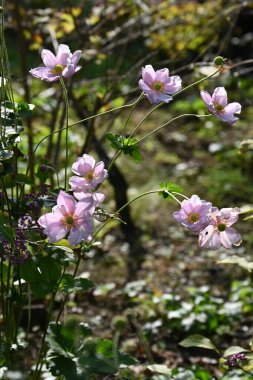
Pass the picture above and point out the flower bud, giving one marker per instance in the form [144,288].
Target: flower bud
[90,344]
[119,322]
[219,61]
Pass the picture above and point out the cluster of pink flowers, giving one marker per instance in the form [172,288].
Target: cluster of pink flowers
[73,214]
[212,224]
[158,87]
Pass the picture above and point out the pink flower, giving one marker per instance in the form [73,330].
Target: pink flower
[63,64]
[96,195]
[194,213]
[219,231]
[158,85]
[69,217]
[89,174]
[218,105]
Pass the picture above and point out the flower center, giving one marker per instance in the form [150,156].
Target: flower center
[221,227]
[219,108]
[158,86]
[58,69]
[69,221]
[89,176]
[193,217]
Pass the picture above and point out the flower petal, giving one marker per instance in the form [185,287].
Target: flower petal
[48,59]
[220,96]
[66,203]
[206,97]
[76,57]
[63,54]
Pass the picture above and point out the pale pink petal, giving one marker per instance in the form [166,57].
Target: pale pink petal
[76,57]
[162,75]
[66,203]
[85,206]
[63,55]
[148,74]
[48,59]
[232,108]
[206,235]
[143,86]
[44,73]
[206,97]
[55,232]
[173,85]
[220,96]
[77,183]
[68,71]
[233,236]
[224,239]
[82,232]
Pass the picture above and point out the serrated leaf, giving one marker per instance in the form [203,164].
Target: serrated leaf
[158,368]
[43,276]
[69,284]
[234,350]
[241,261]
[197,340]
[64,366]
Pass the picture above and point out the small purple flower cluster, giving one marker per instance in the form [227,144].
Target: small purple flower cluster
[235,360]
[32,202]
[19,253]
[212,224]
[73,215]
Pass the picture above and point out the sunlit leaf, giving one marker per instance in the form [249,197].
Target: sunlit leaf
[197,340]
[158,368]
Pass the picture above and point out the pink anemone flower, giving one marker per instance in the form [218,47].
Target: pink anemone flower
[219,231]
[89,174]
[218,105]
[64,64]
[158,85]
[69,217]
[194,213]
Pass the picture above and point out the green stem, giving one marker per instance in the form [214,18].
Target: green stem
[50,310]
[65,94]
[20,306]
[178,93]
[115,345]
[128,203]
[66,296]
[167,123]
[78,122]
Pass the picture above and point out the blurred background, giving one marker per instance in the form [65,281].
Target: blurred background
[151,265]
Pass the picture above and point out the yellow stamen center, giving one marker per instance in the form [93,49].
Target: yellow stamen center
[158,86]
[58,69]
[193,217]
[219,108]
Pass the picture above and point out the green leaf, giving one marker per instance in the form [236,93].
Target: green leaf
[158,368]
[42,277]
[23,179]
[60,339]
[241,261]
[5,229]
[169,187]
[24,109]
[234,350]
[197,340]
[64,366]
[128,146]
[69,284]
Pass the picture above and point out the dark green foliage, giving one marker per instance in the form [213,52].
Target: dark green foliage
[128,146]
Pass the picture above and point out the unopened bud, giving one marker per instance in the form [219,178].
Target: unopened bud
[219,61]
[119,322]
[90,344]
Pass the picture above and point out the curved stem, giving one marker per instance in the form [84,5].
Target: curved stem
[173,96]
[65,94]
[128,203]
[78,122]
[168,122]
